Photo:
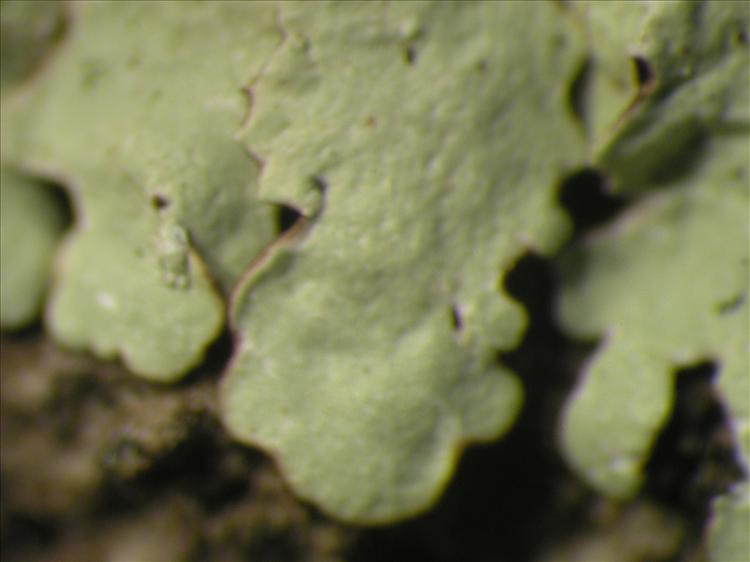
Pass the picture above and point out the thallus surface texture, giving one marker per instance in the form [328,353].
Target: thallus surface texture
[423,153]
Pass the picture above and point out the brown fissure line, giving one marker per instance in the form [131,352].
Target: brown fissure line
[247,89]
[288,238]
[646,86]
[302,223]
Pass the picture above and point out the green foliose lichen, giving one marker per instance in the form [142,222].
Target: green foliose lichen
[423,150]
[137,112]
[666,286]
[402,131]
[31,223]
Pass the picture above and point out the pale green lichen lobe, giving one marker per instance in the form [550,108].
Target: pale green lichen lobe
[32,220]
[137,112]
[427,153]
[666,286]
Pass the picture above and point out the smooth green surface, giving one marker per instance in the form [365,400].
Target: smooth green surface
[667,285]
[31,223]
[440,172]
[137,113]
